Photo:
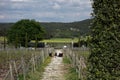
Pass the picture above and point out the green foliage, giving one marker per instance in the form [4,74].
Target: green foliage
[105,44]
[67,30]
[60,40]
[71,73]
[84,41]
[1,39]
[24,31]
[66,60]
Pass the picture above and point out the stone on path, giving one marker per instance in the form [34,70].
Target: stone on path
[54,70]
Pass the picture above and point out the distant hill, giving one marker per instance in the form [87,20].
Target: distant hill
[58,29]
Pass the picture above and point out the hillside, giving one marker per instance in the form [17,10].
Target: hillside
[57,29]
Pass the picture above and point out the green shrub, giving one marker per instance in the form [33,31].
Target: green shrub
[104,61]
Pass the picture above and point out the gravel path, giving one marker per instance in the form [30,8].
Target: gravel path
[54,70]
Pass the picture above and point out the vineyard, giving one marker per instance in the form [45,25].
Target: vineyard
[15,64]
[92,46]
[78,58]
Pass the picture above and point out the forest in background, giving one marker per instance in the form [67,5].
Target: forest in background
[58,29]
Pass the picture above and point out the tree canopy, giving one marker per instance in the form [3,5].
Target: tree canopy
[104,61]
[25,30]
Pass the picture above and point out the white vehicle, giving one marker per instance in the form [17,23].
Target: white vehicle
[64,47]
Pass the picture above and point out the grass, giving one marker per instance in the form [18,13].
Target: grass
[37,75]
[53,40]
[71,72]
[1,39]
[66,61]
[72,75]
[83,53]
[60,40]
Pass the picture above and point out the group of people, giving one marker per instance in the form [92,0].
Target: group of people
[56,54]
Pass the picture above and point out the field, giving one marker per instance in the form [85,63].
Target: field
[53,40]
[60,40]
[20,60]
[1,39]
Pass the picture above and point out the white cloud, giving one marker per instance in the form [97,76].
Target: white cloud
[60,1]
[73,1]
[2,4]
[45,10]
[56,6]
[2,16]
[44,14]
[19,0]
[83,4]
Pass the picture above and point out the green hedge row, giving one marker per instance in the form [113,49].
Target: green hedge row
[104,61]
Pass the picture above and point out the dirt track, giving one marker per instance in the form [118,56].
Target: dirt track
[54,70]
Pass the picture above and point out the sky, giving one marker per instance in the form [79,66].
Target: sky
[45,10]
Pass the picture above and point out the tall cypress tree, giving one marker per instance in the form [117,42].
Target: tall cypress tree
[104,61]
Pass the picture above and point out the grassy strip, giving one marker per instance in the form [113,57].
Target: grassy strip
[84,54]
[60,40]
[1,38]
[53,40]
[71,72]
[37,75]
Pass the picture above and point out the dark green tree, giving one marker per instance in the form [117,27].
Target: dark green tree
[24,31]
[104,61]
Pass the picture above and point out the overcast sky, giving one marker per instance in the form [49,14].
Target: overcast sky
[45,10]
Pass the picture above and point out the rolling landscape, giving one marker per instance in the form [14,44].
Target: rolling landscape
[59,39]
[58,29]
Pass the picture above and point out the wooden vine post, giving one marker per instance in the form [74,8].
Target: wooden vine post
[23,68]
[11,71]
